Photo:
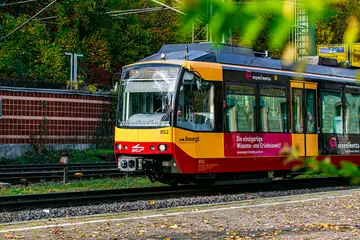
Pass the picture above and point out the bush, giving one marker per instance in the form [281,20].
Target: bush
[53,157]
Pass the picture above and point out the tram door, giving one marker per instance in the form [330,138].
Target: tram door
[304,127]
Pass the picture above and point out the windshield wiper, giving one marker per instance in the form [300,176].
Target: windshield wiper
[163,118]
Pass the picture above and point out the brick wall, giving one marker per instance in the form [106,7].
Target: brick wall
[71,118]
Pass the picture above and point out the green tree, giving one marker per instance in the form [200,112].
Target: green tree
[37,51]
[333,29]
[166,26]
[19,53]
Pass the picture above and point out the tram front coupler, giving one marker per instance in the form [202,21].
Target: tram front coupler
[130,164]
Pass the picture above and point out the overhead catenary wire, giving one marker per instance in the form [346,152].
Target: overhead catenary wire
[146,10]
[16,3]
[134,10]
[121,13]
[46,18]
[167,6]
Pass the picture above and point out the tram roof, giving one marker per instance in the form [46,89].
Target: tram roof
[241,56]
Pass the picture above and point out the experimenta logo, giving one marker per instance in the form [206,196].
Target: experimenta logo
[332,143]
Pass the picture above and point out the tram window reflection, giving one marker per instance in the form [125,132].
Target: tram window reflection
[352,111]
[297,108]
[273,110]
[332,113]
[196,107]
[240,108]
[310,111]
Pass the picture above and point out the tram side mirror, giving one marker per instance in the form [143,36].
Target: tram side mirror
[189,76]
[116,87]
[190,113]
[198,84]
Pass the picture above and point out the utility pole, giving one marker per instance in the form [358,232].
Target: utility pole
[73,68]
[202,32]
[223,38]
[303,32]
[76,55]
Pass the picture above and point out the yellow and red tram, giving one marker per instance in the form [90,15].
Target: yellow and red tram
[204,112]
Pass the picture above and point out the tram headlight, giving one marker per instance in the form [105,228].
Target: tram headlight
[125,147]
[152,148]
[118,146]
[162,147]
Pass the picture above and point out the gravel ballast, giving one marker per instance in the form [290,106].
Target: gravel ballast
[118,207]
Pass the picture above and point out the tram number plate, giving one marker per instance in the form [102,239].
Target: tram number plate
[164,131]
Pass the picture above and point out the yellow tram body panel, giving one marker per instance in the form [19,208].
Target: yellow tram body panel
[200,144]
[196,145]
[208,71]
[143,135]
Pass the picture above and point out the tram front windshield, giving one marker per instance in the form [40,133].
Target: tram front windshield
[146,96]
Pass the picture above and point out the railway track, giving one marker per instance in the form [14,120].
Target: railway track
[50,167]
[37,172]
[67,199]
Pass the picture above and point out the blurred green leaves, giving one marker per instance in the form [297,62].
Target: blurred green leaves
[252,16]
[352,30]
[310,166]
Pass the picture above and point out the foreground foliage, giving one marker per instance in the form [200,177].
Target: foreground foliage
[324,167]
[268,24]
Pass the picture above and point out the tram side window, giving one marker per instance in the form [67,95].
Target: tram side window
[332,112]
[273,110]
[240,108]
[297,109]
[352,108]
[310,111]
[196,106]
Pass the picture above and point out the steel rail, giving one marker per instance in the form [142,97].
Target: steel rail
[90,197]
[38,167]
[35,177]
[66,199]
[37,172]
